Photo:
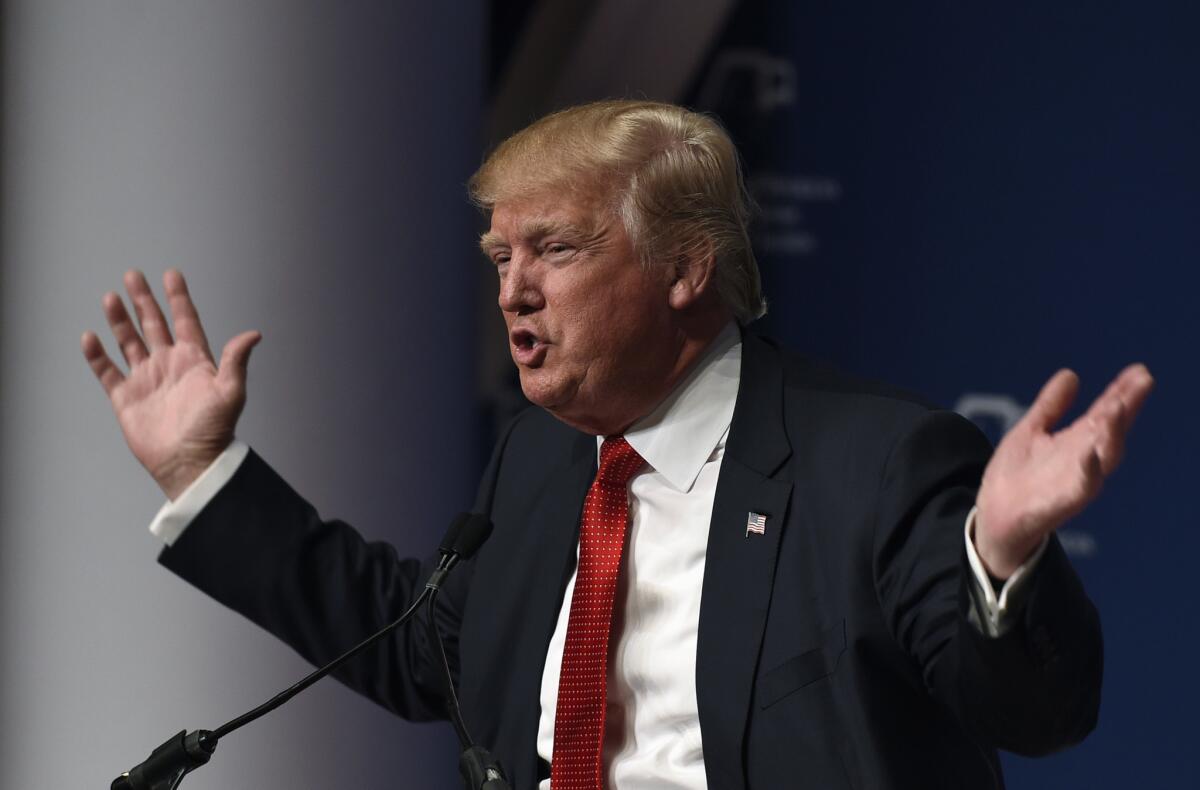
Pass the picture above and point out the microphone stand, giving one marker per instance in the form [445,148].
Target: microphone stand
[184,752]
[478,768]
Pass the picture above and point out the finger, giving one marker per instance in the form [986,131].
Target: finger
[1053,401]
[1110,425]
[150,317]
[1133,385]
[184,317]
[1081,440]
[1093,477]
[124,332]
[1114,411]
[235,361]
[107,373]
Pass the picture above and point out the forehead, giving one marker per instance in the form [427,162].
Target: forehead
[545,212]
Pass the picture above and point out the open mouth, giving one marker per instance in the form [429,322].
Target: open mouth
[524,340]
[528,349]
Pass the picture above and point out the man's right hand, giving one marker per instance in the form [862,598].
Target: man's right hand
[176,407]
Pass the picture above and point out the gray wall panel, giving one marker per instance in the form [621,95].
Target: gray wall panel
[303,164]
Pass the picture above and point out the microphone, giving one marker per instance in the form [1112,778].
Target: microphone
[473,532]
[479,770]
[452,532]
[466,534]
[183,752]
[167,765]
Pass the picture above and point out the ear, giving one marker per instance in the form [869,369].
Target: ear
[694,275]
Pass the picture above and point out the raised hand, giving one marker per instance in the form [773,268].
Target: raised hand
[1038,479]
[176,407]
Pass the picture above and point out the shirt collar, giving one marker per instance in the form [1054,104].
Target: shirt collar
[680,435]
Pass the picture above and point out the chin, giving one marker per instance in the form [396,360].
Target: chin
[558,399]
[541,391]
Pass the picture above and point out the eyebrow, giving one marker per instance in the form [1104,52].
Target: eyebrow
[533,229]
[490,241]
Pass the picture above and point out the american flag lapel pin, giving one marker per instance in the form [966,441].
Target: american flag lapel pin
[756,524]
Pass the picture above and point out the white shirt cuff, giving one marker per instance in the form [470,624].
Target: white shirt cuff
[997,613]
[173,517]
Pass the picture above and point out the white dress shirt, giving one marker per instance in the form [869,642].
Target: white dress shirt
[652,737]
[652,724]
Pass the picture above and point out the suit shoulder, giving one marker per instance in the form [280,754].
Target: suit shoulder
[804,373]
[823,401]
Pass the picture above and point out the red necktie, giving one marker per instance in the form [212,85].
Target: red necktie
[583,682]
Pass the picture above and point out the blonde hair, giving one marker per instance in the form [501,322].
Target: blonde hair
[671,175]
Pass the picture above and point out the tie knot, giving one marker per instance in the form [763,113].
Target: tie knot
[619,462]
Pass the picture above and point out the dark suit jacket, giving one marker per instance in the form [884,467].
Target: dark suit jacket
[833,651]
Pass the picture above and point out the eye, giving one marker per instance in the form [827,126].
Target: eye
[500,258]
[557,249]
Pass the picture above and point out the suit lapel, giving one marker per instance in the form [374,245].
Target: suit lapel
[556,528]
[553,539]
[739,567]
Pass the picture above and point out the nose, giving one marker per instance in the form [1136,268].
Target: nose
[520,286]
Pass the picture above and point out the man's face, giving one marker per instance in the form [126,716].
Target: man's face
[590,328]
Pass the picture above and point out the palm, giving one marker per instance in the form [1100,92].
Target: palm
[1038,479]
[170,399]
[176,407]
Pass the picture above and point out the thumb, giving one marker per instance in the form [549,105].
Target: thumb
[1054,400]
[235,359]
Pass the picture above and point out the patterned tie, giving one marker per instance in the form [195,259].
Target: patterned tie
[583,682]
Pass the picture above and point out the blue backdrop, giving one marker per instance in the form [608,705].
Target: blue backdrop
[961,199]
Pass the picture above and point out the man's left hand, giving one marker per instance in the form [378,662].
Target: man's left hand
[1038,479]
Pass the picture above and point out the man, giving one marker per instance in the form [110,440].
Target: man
[715,564]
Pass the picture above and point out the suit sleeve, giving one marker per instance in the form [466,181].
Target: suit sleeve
[262,550]
[1034,690]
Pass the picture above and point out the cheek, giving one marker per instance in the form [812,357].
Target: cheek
[596,326]
[599,314]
